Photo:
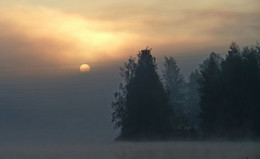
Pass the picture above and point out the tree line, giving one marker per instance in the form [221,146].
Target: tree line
[220,99]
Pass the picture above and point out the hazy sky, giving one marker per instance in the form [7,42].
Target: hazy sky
[42,38]
[48,32]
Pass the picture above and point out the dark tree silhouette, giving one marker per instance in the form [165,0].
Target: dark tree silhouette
[147,114]
[251,91]
[230,93]
[209,91]
[240,76]
[127,72]
[224,92]
[232,99]
[192,103]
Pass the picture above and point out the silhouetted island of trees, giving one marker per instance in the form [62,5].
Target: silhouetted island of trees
[221,98]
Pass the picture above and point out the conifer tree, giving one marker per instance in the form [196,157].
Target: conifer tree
[147,114]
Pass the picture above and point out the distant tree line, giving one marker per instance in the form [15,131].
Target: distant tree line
[220,99]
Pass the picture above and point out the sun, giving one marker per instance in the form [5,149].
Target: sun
[84,68]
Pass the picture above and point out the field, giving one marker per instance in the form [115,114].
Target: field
[133,150]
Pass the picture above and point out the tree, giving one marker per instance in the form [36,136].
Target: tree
[251,91]
[146,112]
[241,91]
[256,124]
[209,91]
[174,84]
[232,77]
[192,103]
[230,93]
[127,72]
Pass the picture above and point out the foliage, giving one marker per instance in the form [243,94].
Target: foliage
[143,112]
[209,90]
[230,94]
[192,103]
[221,98]
[127,73]
[174,84]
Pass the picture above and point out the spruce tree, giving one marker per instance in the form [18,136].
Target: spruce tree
[209,91]
[147,112]
[192,103]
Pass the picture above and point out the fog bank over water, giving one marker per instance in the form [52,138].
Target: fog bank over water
[71,107]
[132,150]
[57,105]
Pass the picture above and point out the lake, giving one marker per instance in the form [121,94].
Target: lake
[133,150]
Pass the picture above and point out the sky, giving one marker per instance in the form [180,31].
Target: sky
[52,32]
[44,42]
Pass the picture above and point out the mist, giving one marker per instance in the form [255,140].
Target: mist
[185,94]
[129,150]
[73,107]
[46,104]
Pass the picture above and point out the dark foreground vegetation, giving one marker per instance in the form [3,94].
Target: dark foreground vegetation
[220,100]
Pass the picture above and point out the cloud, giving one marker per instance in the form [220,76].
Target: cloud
[166,25]
[38,35]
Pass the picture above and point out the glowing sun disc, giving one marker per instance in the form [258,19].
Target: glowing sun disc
[84,68]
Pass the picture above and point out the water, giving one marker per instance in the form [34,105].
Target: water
[133,150]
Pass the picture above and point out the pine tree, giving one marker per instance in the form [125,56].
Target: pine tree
[192,103]
[209,91]
[229,94]
[146,110]
[240,80]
